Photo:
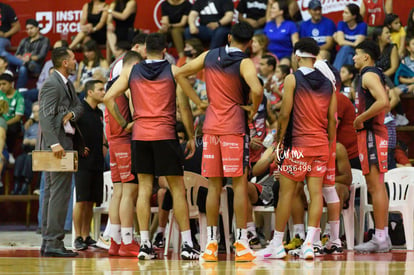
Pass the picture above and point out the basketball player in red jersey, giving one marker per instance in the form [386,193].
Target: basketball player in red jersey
[372,103]
[121,208]
[155,148]
[306,127]
[374,11]
[230,76]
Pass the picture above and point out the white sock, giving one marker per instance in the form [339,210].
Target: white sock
[145,237]
[380,234]
[310,236]
[251,227]
[127,234]
[107,231]
[186,237]
[278,238]
[334,226]
[299,229]
[386,231]
[241,234]
[317,236]
[115,233]
[161,230]
[327,230]
[211,233]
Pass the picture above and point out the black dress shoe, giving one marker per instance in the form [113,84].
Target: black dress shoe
[59,252]
[79,244]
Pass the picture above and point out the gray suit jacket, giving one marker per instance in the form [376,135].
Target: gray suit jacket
[55,102]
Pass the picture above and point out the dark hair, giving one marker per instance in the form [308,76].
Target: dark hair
[285,69]
[123,45]
[354,10]
[242,32]
[64,43]
[270,60]
[389,18]
[196,44]
[4,59]
[91,45]
[90,85]
[351,69]
[131,57]
[139,39]
[58,55]
[179,127]
[369,47]
[410,24]
[308,45]
[5,76]
[155,43]
[378,32]
[284,6]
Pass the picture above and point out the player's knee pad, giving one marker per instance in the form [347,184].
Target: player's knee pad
[330,195]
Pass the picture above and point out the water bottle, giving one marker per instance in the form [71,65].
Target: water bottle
[267,142]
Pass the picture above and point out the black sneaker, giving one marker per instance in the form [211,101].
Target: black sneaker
[89,241]
[188,252]
[146,252]
[159,241]
[79,244]
[254,241]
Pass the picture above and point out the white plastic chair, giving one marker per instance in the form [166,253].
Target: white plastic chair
[192,182]
[400,183]
[348,214]
[358,181]
[104,207]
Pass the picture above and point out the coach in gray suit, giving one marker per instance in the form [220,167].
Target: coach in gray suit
[59,106]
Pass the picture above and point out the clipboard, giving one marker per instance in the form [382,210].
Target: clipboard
[46,161]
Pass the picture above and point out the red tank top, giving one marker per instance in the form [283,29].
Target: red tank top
[375,12]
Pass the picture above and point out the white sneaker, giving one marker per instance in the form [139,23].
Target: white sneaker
[306,251]
[272,251]
[401,120]
[104,242]
[374,245]
[334,247]
[318,249]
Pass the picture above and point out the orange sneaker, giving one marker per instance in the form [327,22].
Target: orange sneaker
[243,253]
[114,248]
[210,253]
[129,250]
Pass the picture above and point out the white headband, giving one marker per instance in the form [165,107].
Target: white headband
[304,54]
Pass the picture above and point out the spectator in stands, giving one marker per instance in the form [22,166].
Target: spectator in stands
[348,73]
[89,178]
[93,65]
[15,113]
[388,60]
[258,49]
[30,53]
[410,24]
[4,108]
[92,23]
[23,173]
[281,32]
[215,21]
[4,64]
[254,13]
[392,21]
[193,48]
[119,25]
[174,20]
[407,78]
[351,31]
[319,27]
[9,25]
[400,155]
[374,12]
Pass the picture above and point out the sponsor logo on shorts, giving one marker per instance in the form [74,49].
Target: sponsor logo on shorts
[361,157]
[230,168]
[230,144]
[383,143]
[209,156]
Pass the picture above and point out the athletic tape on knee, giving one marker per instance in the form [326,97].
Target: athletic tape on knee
[330,195]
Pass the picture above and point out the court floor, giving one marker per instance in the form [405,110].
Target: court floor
[26,260]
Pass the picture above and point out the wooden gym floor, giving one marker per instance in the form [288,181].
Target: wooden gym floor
[19,254]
